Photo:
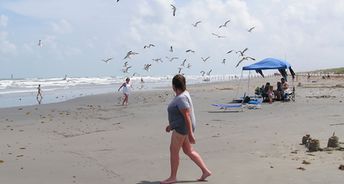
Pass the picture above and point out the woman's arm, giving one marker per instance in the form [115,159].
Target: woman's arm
[186,114]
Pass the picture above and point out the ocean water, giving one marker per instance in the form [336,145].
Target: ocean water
[22,92]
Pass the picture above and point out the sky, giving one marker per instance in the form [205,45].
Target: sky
[76,35]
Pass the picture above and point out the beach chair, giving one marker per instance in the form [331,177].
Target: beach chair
[290,95]
[255,103]
[232,107]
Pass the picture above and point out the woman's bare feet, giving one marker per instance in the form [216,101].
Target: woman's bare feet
[204,176]
[169,181]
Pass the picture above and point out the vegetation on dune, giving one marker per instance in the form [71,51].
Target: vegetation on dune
[332,70]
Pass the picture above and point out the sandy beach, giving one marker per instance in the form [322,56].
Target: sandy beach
[94,139]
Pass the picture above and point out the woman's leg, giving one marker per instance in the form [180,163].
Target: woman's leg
[194,156]
[176,143]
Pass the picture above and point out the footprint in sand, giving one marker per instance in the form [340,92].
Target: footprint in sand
[301,168]
[305,162]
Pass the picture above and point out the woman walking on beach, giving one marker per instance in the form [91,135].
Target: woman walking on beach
[125,90]
[182,122]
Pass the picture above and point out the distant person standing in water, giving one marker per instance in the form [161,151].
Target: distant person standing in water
[182,122]
[39,96]
[125,90]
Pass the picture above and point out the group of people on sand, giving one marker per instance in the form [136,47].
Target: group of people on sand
[270,94]
[182,124]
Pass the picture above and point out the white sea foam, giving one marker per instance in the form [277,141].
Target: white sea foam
[11,90]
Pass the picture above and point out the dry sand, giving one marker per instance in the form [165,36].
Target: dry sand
[95,140]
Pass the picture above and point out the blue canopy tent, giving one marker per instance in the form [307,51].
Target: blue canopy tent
[269,64]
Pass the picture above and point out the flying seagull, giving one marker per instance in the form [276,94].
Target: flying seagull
[189,50]
[125,69]
[179,70]
[251,29]
[149,46]
[174,9]
[242,52]
[224,61]
[208,73]
[225,24]
[130,53]
[203,73]
[158,59]
[244,58]
[196,23]
[125,64]
[183,64]
[205,59]
[147,67]
[107,60]
[171,49]
[189,66]
[173,58]
[40,43]
[218,36]
[229,52]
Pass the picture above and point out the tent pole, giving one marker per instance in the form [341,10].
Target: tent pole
[239,84]
[248,85]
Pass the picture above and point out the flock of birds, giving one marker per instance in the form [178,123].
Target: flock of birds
[183,65]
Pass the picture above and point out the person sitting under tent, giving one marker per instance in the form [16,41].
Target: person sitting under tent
[278,93]
[285,88]
[265,91]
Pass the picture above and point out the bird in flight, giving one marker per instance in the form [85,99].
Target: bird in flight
[107,60]
[158,59]
[173,58]
[242,52]
[183,63]
[189,50]
[40,44]
[189,66]
[126,69]
[196,23]
[130,53]
[224,61]
[251,29]
[125,64]
[174,9]
[218,36]
[225,24]
[147,67]
[229,52]
[205,59]
[171,49]
[179,70]
[203,73]
[208,73]
[149,46]
[244,58]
